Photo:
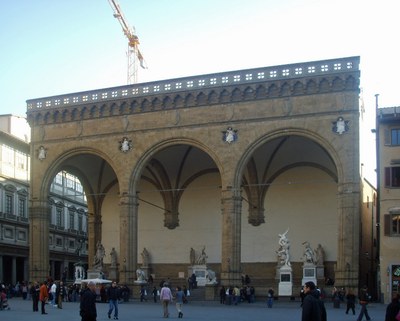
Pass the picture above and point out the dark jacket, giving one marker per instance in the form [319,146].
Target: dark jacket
[113,293]
[313,307]
[391,311]
[88,305]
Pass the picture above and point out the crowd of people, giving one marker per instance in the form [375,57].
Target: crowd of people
[53,293]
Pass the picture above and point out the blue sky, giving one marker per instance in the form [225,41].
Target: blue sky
[51,47]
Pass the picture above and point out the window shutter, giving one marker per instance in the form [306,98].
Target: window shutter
[387,176]
[386,224]
[386,137]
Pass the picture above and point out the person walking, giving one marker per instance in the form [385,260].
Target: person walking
[88,311]
[165,298]
[34,291]
[60,293]
[155,293]
[53,294]
[179,297]
[364,298]
[270,296]
[351,301]
[222,295]
[393,309]
[113,298]
[313,307]
[43,296]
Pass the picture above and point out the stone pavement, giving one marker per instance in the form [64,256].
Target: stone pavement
[282,311]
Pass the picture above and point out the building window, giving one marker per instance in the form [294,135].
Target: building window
[395,136]
[22,207]
[392,176]
[71,221]
[80,223]
[392,136]
[392,224]
[59,217]
[9,204]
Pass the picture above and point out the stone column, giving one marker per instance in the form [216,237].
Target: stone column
[231,237]
[39,215]
[128,238]
[346,270]
[94,235]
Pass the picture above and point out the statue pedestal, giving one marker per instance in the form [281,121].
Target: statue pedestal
[201,274]
[320,272]
[95,274]
[309,273]
[285,287]
[113,273]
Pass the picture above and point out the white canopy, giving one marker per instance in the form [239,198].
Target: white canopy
[97,281]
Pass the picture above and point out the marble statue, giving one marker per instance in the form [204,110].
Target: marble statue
[284,247]
[99,256]
[140,275]
[192,256]
[309,254]
[145,257]
[113,255]
[211,277]
[319,255]
[202,259]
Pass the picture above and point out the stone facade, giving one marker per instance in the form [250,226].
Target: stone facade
[238,137]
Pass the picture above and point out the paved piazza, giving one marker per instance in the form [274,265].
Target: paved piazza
[282,311]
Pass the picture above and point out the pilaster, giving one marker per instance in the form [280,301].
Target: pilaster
[39,216]
[128,213]
[231,235]
[346,270]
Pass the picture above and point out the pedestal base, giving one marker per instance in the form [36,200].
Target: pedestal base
[285,287]
[201,272]
[113,273]
[309,273]
[95,274]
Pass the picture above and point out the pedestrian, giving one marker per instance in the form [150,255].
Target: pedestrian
[60,294]
[34,291]
[363,299]
[88,310]
[43,296]
[393,309]
[113,298]
[165,298]
[143,293]
[53,291]
[351,301]
[270,299]
[222,295]
[155,293]
[179,297]
[313,307]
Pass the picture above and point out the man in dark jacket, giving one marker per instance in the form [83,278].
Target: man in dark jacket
[88,310]
[364,299]
[113,298]
[313,307]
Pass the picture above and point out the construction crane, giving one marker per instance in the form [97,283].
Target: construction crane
[134,55]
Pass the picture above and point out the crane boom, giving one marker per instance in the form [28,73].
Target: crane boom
[134,55]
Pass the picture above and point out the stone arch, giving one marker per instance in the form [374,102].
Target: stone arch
[201,99]
[142,161]
[288,132]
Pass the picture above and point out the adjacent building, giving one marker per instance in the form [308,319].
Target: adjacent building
[388,218]
[67,210]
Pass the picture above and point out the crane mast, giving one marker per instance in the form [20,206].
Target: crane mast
[135,57]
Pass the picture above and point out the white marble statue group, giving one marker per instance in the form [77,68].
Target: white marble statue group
[310,255]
